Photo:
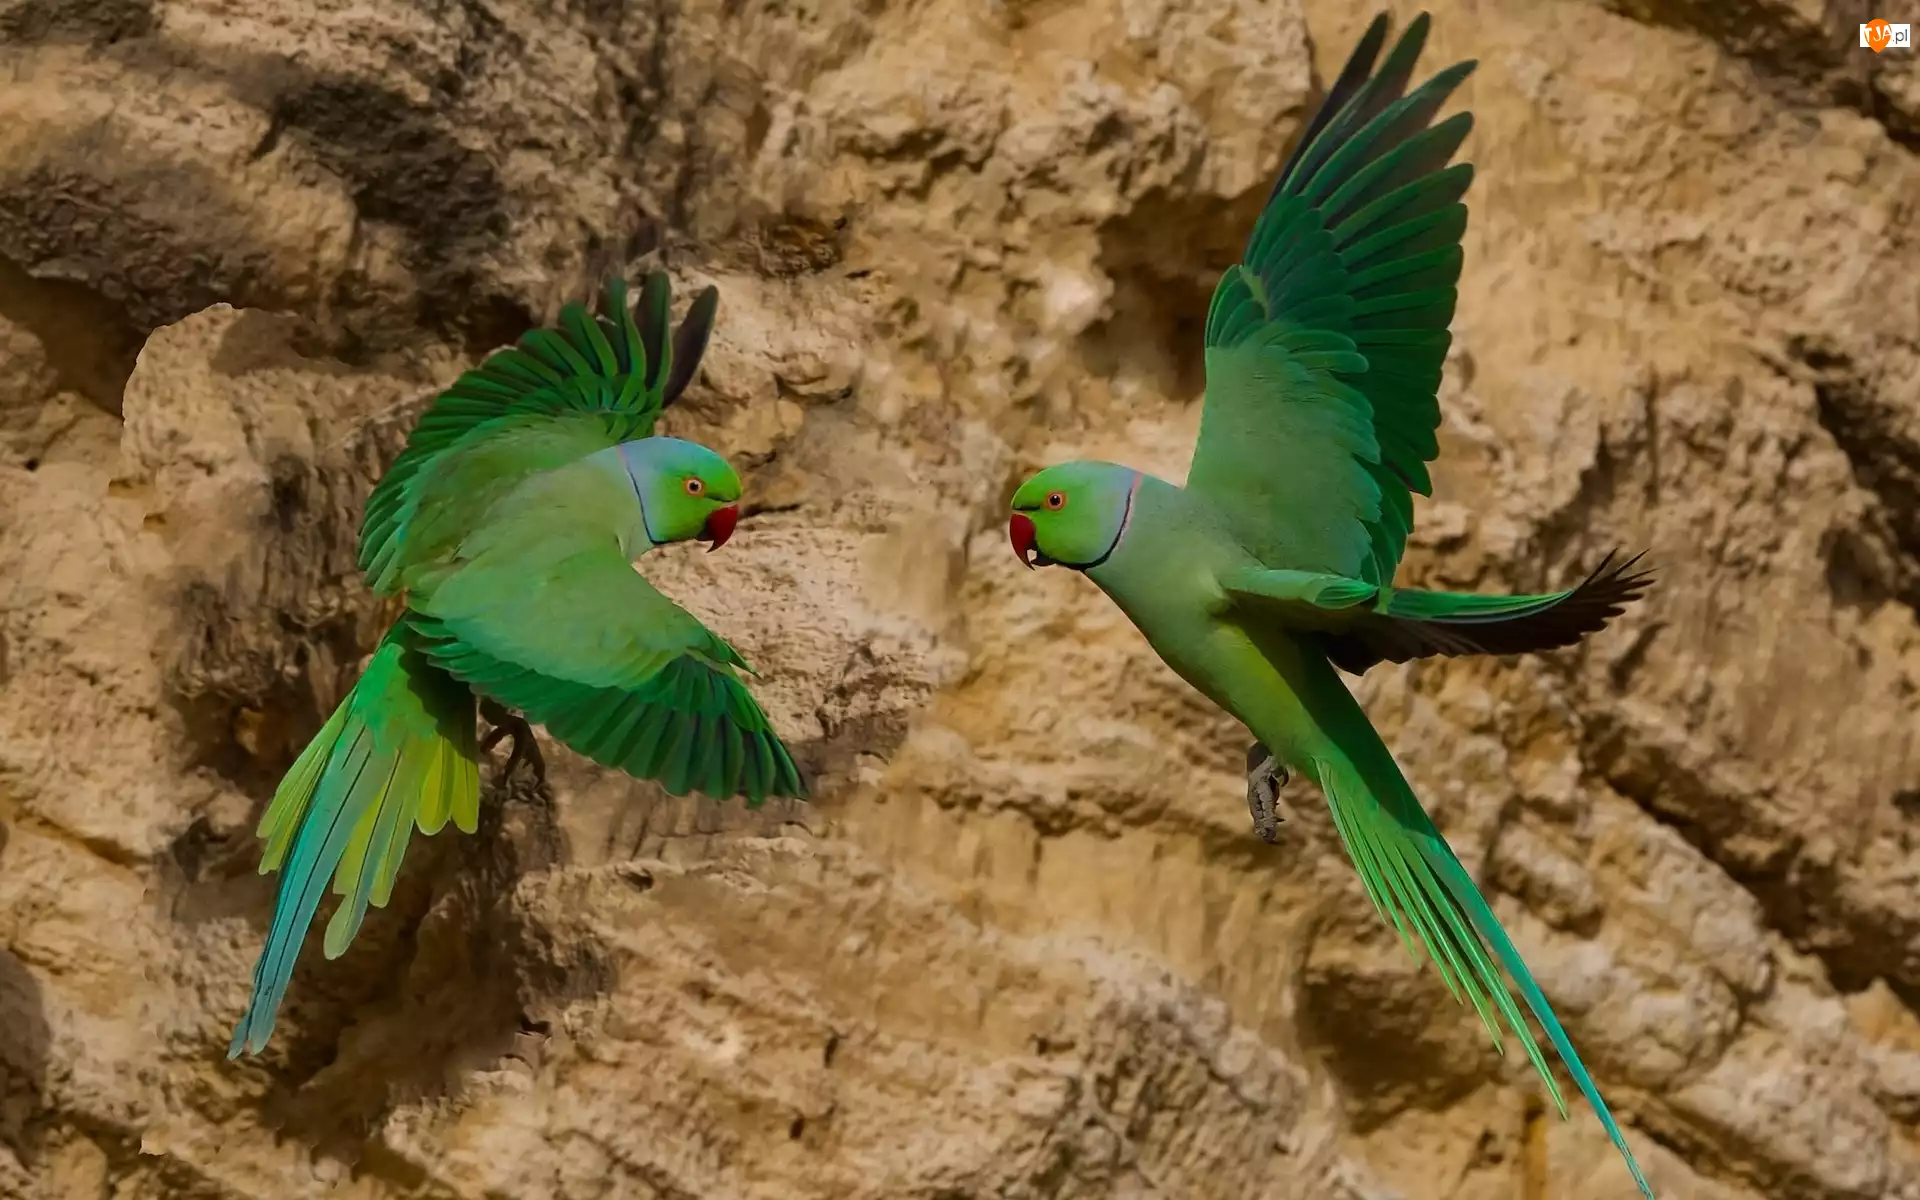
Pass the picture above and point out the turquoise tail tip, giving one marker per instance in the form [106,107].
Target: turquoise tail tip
[250,1036]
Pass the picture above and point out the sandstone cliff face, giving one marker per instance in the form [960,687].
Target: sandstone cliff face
[1024,943]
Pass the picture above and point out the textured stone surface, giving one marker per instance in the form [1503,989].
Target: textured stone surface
[1023,944]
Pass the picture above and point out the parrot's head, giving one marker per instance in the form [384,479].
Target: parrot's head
[1071,515]
[686,490]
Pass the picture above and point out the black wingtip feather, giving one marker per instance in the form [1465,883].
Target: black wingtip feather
[1373,97]
[1586,610]
[1616,582]
[1391,83]
[690,343]
[1354,74]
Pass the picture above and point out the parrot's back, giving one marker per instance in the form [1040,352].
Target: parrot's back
[591,382]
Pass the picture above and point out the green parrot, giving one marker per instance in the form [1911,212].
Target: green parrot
[509,526]
[1274,565]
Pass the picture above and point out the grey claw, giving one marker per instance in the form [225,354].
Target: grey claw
[1265,778]
[525,748]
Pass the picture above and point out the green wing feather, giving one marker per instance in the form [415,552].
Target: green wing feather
[683,720]
[1325,343]
[1361,625]
[1310,600]
[544,614]
[619,370]
[398,753]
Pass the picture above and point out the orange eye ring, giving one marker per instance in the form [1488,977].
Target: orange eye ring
[1056,501]
[695,487]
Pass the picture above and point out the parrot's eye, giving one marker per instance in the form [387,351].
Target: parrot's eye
[695,487]
[1056,501]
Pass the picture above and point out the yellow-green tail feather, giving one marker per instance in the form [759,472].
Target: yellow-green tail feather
[398,753]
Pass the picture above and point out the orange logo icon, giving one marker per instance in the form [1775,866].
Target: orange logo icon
[1879,32]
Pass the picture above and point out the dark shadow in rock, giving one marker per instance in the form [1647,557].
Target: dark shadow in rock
[1164,257]
[648,818]
[1871,559]
[89,22]
[90,342]
[444,982]
[1806,61]
[1805,897]
[404,167]
[640,818]
[60,222]
[404,164]
[23,1053]
[270,649]
[1383,1023]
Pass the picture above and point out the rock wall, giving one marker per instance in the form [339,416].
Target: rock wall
[1024,943]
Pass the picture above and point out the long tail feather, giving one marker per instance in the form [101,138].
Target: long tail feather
[1414,878]
[345,809]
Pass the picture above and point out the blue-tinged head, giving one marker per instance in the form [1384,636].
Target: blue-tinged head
[686,491]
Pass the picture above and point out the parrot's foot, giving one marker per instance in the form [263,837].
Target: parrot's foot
[1265,778]
[525,748]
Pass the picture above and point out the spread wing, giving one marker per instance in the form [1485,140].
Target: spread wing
[1325,343]
[611,374]
[547,617]
[1361,624]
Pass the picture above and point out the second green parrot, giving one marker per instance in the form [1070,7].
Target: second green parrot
[509,526]
[1273,566]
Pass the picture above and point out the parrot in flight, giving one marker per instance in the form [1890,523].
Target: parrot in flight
[1274,564]
[509,526]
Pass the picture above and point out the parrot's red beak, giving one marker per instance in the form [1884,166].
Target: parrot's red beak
[720,523]
[1020,533]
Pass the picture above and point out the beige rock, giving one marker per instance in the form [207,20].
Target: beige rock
[1023,944]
